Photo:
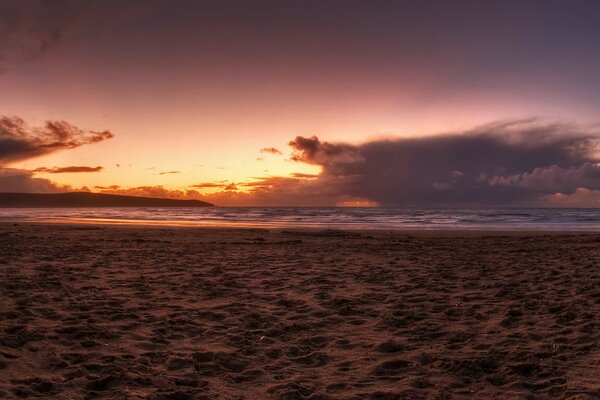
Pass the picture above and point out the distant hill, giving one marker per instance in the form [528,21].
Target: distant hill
[86,199]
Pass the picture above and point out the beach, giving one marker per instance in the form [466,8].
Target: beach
[155,312]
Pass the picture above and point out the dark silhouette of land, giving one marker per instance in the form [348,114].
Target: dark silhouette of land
[85,199]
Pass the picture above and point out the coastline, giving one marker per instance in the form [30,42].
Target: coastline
[274,227]
[355,219]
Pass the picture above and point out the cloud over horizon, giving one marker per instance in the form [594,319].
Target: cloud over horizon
[64,170]
[508,163]
[516,163]
[19,141]
[23,181]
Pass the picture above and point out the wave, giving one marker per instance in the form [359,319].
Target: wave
[317,217]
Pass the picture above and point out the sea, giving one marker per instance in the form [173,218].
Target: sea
[526,219]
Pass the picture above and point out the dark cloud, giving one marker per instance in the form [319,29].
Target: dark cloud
[270,150]
[313,151]
[553,179]
[30,28]
[209,185]
[304,176]
[16,180]
[170,172]
[19,141]
[497,164]
[62,170]
[111,187]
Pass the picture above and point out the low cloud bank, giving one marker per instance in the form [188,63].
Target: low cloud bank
[22,181]
[20,141]
[518,163]
[515,163]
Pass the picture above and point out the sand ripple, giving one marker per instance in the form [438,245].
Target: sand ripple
[132,313]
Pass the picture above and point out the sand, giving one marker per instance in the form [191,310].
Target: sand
[180,313]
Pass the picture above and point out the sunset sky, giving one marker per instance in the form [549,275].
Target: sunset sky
[220,100]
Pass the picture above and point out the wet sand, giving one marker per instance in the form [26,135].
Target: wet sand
[121,312]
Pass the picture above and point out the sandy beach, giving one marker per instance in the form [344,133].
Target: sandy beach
[119,312]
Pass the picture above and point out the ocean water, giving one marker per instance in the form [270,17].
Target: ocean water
[326,218]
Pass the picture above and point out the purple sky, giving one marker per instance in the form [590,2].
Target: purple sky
[191,91]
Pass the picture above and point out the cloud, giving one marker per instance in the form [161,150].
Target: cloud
[517,163]
[209,185]
[304,176]
[17,180]
[581,197]
[554,178]
[509,163]
[152,191]
[265,191]
[19,141]
[285,191]
[271,150]
[111,187]
[62,170]
[31,28]
[169,172]
[313,151]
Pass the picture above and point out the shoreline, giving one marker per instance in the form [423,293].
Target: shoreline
[420,231]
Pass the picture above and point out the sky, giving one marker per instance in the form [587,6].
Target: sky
[392,103]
